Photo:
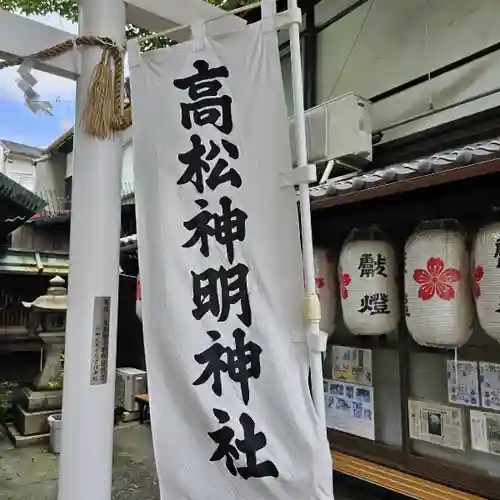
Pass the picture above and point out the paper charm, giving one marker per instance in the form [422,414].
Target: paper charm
[26,82]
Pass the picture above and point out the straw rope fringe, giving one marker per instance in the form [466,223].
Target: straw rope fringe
[104,112]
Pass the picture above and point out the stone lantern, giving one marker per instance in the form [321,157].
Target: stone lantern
[48,322]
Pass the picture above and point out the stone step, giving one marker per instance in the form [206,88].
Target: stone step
[20,441]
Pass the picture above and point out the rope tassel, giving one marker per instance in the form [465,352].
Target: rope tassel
[98,116]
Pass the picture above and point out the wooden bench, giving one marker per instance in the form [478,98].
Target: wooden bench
[393,480]
[143,402]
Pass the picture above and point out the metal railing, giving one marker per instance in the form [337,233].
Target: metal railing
[58,203]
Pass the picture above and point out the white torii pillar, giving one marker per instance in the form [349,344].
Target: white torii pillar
[86,463]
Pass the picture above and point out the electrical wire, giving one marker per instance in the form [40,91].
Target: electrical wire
[332,91]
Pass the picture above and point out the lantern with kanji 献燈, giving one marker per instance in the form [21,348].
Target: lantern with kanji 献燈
[486,278]
[367,278]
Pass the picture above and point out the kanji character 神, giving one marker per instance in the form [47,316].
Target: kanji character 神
[241,363]
[227,227]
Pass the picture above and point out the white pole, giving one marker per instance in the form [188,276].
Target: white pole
[305,215]
[87,429]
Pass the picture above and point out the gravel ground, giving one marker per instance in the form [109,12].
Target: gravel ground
[31,473]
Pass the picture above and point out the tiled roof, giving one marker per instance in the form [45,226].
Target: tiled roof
[66,137]
[468,155]
[19,195]
[22,149]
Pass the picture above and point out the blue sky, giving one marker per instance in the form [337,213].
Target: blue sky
[17,122]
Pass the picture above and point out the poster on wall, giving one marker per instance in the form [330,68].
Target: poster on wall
[352,365]
[436,423]
[463,384]
[350,408]
[485,432]
[221,272]
[489,375]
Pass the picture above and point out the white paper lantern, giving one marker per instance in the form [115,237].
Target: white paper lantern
[486,278]
[326,288]
[438,299]
[367,279]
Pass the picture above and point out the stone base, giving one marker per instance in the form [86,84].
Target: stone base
[130,416]
[20,441]
[37,400]
[32,423]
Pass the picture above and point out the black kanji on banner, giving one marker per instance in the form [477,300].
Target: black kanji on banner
[233,287]
[209,163]
[241,363]
[207,106]
[200,160]
[226,228]
[249,446]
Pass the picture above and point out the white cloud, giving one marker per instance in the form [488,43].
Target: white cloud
[51,88]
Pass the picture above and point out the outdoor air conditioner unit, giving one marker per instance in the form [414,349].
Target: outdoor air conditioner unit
[340,129]
[129,383]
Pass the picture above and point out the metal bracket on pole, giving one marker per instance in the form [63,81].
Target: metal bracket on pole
[299,175]
[288,17]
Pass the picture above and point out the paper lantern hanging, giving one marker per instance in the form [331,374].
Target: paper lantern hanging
[367,279]
[486,278]
[326,288]
[438,299]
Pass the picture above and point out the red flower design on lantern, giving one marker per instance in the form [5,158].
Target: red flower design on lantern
[320,282]
[478,276]
[436,279]
[345,280]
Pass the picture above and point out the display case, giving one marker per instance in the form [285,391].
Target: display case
[429,407]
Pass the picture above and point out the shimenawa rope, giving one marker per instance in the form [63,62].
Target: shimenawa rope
[104,112]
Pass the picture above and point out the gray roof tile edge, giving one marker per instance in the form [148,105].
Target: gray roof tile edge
[444,160]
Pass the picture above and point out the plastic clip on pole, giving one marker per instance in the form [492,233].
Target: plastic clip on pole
[316,339]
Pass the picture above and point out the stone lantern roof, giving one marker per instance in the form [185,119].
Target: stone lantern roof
[56,298]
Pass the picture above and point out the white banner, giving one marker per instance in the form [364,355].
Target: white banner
[221,277]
